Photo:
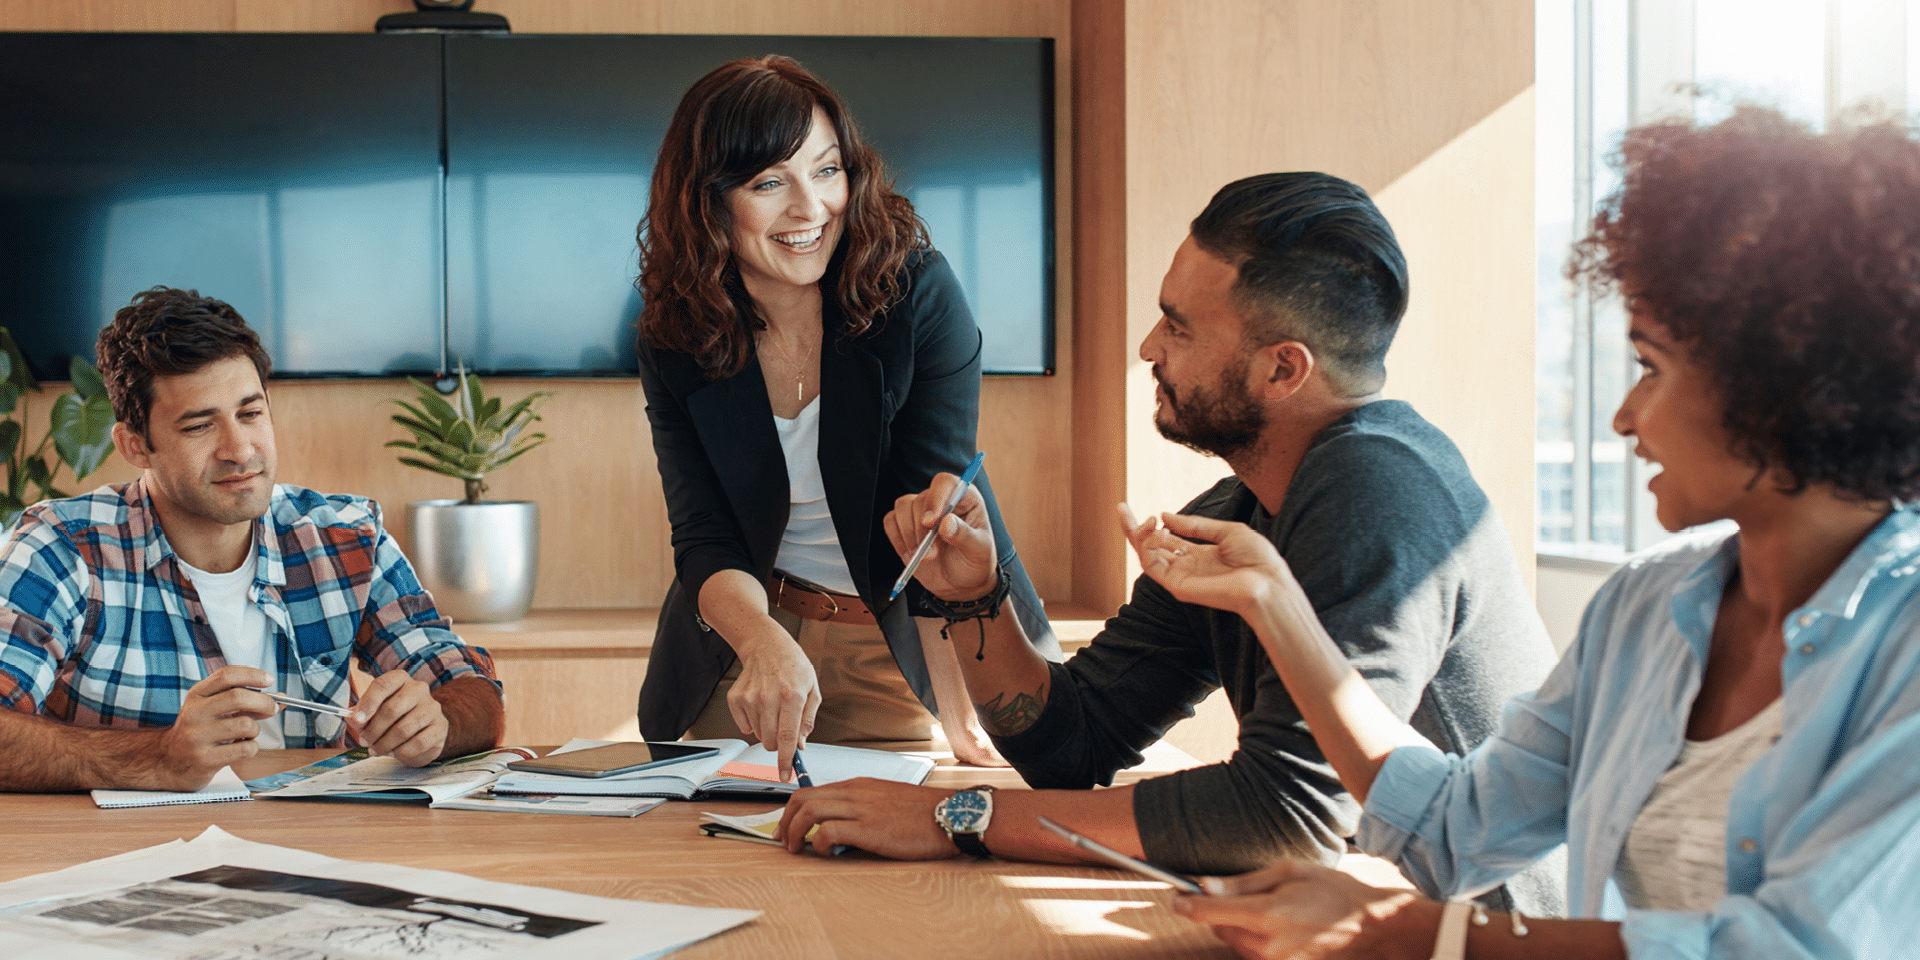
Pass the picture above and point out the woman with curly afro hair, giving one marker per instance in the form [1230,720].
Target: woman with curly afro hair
[1727,748]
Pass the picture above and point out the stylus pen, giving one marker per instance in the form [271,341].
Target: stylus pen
[926,542]
[801,769]
[299,704]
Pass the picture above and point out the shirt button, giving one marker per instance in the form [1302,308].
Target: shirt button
[1806,619]
[1806,649]
[326,661]
[1748,846]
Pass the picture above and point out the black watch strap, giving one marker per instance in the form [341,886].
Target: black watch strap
[969,844]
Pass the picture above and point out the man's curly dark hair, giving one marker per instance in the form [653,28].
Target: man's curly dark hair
[1787,263]
[165,332]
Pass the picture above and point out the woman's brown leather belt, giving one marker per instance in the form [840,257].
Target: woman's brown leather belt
[809,602]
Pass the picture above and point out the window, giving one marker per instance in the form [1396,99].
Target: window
[1600,67]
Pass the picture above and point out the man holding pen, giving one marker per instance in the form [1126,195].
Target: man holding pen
[143,626]
[1276,318]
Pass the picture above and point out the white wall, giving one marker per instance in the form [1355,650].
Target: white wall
[1563,585]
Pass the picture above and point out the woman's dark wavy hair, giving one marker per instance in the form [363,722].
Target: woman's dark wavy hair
[1787,263]
[735,122]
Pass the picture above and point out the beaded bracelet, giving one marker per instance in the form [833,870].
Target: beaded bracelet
[984,609]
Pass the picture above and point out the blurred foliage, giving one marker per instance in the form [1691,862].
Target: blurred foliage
[79,430]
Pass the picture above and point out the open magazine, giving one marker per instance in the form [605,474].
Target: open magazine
[456,784]
[734,771]
[358,775]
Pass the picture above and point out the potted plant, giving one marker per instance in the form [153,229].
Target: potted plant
[80,428]
[479,559]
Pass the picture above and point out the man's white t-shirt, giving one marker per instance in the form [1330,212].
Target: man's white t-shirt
[245,635]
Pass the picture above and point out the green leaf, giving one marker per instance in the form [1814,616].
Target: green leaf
[9,437]
[10,510]
[526,406]
[444,452]
[439,411]
[6,365]
[521,413]
[509,458]
[430,465]
[461,436]
[9,396]
[422,432]
[37,472]
[473,395]
[86,378]
[82,431]
[17,373]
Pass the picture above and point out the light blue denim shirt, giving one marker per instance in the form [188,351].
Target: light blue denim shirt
[1823,831]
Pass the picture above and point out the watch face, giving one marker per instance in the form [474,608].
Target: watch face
[964,811]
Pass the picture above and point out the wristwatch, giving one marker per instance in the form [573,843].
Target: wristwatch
[965,816]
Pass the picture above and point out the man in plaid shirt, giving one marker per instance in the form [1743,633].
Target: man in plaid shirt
[141,624]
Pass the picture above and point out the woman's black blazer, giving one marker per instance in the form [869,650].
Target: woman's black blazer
[898,405]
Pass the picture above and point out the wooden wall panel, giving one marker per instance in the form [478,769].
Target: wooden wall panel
[128,15]
[604,535]
[553,700]
[1101,349]
[1423,103]
[1464,355]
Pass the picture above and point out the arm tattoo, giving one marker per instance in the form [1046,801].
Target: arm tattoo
[1004,719]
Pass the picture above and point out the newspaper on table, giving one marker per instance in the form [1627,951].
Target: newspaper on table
[219,897]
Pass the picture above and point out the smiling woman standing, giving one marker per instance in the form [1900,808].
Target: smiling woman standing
[807,358]
[1727,748]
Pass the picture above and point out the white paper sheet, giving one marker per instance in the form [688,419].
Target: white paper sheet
[219,897]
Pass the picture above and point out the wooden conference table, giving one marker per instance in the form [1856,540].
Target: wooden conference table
[812,907]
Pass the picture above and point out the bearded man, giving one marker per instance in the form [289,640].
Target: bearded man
[1276,316]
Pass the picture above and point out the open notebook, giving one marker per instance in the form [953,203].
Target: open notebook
[226,785]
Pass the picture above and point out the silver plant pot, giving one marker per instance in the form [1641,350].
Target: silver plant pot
[479,560]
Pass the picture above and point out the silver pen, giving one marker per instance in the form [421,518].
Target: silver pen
[299,704]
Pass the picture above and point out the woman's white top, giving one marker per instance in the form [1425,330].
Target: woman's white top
[1675,857]
[241,627]
[810,549]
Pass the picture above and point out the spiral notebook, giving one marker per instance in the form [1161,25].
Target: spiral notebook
[226,785]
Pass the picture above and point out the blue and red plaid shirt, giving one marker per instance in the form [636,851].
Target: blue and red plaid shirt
[100,626]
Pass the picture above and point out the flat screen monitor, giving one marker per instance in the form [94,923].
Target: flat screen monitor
[376,205]
[551,143]
[294,176]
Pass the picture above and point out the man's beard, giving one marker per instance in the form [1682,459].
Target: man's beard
[1220,423]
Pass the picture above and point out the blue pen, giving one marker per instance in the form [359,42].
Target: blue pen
[926,542]
[801,769]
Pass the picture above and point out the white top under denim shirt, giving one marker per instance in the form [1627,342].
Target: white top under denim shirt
[1823,830]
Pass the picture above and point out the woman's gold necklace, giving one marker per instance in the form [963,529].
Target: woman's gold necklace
[800,367]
